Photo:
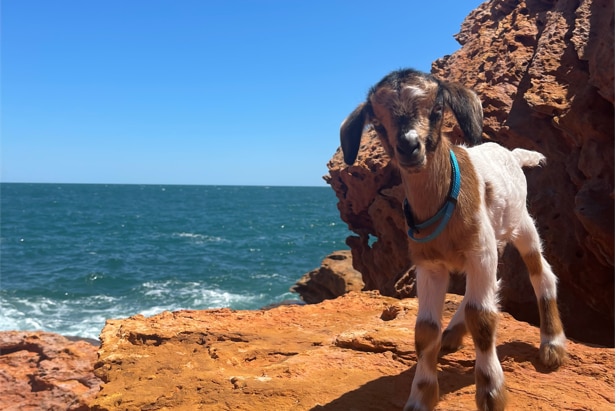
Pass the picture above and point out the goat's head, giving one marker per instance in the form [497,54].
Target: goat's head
[406,110]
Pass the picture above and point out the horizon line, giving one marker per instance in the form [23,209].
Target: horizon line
[169,184]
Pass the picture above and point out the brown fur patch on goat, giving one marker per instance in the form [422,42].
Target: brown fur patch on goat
[462,231]
[549,317]
[426,334]
[533,263]
[482,326]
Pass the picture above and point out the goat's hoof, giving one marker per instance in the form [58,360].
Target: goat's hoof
[492,400]
[416,407]
[424,397]
[452,339]
[552,355]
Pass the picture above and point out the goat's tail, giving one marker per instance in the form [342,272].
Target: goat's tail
[528,158]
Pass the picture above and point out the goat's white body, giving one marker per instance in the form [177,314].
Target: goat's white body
[501,170]
[508,215]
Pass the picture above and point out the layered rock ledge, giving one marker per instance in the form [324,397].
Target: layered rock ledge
[333,278]
[353,352]
[46,371]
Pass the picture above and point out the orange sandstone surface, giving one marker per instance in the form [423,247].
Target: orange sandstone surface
[355,352]
[46,371]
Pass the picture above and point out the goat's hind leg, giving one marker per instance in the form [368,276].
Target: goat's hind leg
[552,352]
[431,288]
[455,331]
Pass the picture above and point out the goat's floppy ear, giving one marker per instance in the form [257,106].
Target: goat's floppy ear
[350,133]
[466,106]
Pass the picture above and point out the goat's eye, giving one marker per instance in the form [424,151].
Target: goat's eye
[437,109]
[378,127]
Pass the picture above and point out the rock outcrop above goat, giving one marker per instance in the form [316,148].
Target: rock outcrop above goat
[545,74]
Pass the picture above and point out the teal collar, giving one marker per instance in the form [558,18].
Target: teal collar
[445,212]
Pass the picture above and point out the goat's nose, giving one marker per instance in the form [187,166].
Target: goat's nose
[408,143]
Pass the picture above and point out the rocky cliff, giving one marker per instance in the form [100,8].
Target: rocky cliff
[544,70]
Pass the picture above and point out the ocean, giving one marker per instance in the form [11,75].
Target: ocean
[74,255]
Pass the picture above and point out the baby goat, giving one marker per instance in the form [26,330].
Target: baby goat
[463,204]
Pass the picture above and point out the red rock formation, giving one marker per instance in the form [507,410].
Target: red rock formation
[335,277]
[44,371]
[354,352]
[544,71]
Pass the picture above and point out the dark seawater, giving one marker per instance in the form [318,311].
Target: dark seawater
[74,255]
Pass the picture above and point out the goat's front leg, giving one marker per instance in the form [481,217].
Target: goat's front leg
[432,285]
[481,317]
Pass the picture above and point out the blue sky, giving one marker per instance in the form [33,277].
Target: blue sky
[198,92]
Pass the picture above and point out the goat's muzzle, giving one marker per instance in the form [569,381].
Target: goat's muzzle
[409,151]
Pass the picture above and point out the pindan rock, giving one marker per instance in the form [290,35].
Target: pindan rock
[335,277]
[544,71]
[355,352]
[45,371]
